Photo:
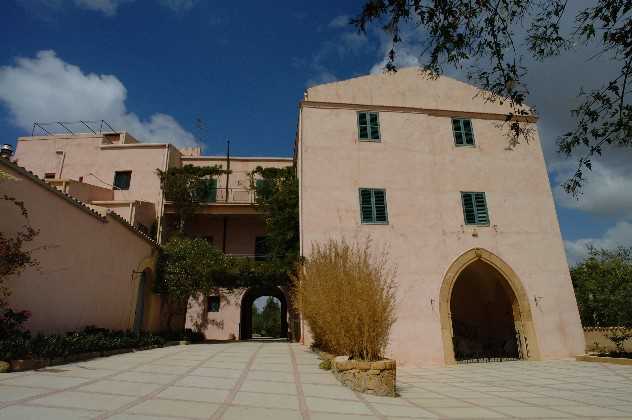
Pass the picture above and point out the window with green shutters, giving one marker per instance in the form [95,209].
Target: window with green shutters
[373,206]
[368,126]
[211,191]
[475,208]
[463,132]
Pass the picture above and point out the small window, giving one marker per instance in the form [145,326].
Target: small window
[463,133]
[49,175]
[213,303]
[261,248]
[368,126]
[122,180]
[475,208]
[373,206]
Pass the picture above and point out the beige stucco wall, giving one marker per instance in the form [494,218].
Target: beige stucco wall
[89,266]
[423,174]
[86,157]
[222,325]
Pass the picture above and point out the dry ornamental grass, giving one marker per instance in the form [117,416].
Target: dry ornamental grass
[347,296]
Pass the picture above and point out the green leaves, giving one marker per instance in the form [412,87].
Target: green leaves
[277,199]
[186,187]
[603,288]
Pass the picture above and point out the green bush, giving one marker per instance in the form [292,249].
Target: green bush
[88,340]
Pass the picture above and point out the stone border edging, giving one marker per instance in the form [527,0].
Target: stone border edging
[374,378]
[20,365]
[600,359]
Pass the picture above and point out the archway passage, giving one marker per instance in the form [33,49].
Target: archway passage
[477,291]
[483,324]
[252,294]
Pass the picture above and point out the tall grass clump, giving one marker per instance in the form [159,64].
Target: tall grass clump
[347,296]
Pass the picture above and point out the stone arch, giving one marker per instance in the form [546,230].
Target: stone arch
[248,298]
[145,311]
[522,314]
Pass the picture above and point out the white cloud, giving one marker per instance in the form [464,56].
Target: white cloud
[323,77]
[606,192]
[179,6]
[341,21]
[619,235]
[107,7]
[46,88]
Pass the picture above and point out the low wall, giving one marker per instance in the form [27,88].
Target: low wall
[376,378]
[597,340]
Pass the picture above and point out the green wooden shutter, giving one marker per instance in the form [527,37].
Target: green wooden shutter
[379,206]
[463,132]
[373,206]
[374,125]
[480,204]
[369,126]
[211,191]
[366,206]
[475,208]
[363,126]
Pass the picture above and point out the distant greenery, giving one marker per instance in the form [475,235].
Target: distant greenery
[267,322]
[603,288]
[186,187]
[277,199]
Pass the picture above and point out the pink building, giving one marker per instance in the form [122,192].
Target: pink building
[421,167]
[114,174]
[424,168]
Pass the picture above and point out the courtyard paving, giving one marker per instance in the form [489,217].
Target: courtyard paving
[281,381]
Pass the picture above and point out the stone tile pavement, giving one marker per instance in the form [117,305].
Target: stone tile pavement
[281,381]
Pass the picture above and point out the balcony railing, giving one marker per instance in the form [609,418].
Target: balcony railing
[231,195]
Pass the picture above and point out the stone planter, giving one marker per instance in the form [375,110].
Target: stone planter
[375,378]
[602,359]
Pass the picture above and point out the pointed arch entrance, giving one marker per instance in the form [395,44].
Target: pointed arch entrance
[485,310]
[248,298]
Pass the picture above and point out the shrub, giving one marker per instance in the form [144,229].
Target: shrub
[347,296]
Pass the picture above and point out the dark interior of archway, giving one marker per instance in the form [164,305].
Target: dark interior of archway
[247,301]
[482,315]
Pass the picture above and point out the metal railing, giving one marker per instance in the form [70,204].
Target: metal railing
[231,195]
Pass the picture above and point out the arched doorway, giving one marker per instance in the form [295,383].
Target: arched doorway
[485,312]
[252,294]
[143,300]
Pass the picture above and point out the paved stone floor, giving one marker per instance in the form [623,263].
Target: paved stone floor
[279,381]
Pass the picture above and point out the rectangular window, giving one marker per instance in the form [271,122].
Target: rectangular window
[373,206]
[211,191]
[475,208]
[368,126]
[49,175]
[213,303]
[122,180]
[463,132]
[261,248]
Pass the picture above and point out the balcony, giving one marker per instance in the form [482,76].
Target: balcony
[231,196]
[225,201]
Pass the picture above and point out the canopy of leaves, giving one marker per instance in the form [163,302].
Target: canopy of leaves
[603,288]
[487,36]
[186,187]
[188,266]
[277,199]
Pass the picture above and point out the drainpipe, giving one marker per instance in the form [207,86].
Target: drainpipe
[161,210]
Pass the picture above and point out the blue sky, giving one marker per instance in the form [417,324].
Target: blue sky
[154,66]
